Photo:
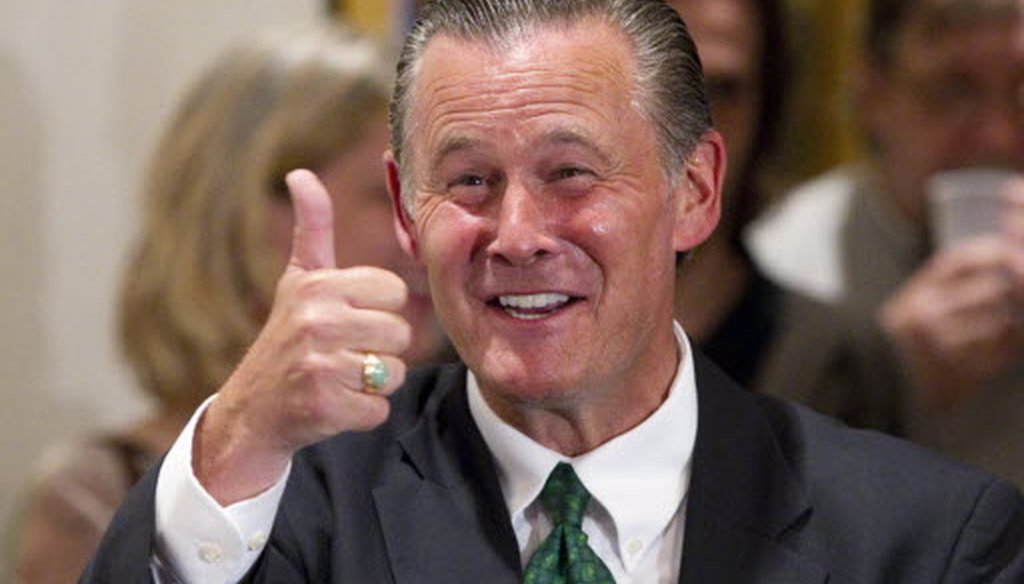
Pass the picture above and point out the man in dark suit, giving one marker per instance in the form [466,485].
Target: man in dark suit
[548,161]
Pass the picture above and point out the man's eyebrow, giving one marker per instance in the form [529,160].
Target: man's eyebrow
[562,136]
[451,146]
[572,137]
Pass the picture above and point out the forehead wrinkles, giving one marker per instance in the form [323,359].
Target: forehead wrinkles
[521,97]
[466,81]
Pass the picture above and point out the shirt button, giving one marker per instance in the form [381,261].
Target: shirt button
[634,546]
[257,541]
[211,553]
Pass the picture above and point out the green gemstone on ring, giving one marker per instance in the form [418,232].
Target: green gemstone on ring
[375,372]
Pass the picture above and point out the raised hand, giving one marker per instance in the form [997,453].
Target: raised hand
[958,322]
[302,380]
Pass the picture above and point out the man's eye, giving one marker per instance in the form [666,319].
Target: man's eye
[570,172]
[572,180]
[469,180]
[470,188]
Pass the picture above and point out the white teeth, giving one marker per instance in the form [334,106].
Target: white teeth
[533,301]
[526,316]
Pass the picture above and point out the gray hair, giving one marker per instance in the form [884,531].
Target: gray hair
[668,78]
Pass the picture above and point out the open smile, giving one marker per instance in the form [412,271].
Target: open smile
[533,306]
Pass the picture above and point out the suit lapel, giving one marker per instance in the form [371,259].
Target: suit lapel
[444,519]
[442,513]
[743,497]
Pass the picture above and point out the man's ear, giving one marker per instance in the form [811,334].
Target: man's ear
[699,192]
[403,222]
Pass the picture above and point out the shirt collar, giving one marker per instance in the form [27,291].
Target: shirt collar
[640,477]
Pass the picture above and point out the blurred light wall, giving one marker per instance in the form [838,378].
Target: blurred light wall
[84,88]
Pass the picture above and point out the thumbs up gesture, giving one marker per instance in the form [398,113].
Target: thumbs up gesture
[311,372]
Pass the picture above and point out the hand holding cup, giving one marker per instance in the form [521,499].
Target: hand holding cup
[958,321]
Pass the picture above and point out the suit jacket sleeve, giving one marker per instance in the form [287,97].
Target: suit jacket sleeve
[991,543]
[124,554]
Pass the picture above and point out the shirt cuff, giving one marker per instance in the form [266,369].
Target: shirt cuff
[197,538]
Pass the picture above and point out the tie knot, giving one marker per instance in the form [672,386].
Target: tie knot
[564,497]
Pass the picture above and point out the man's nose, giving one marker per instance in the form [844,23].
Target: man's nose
[522,233]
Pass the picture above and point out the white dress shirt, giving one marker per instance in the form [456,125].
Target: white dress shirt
[638,482]
[197,539]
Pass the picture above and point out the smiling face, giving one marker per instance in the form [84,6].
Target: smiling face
[544,217]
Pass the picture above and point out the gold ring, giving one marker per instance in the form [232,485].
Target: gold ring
[375,373]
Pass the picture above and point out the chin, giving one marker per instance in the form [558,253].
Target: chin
[528,383]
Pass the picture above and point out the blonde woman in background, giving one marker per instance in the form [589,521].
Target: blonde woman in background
[216,235]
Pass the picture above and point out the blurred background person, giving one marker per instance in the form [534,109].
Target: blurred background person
[216,235]
[941,88]
[769,339]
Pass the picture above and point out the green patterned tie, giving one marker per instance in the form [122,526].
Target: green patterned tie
[564,556]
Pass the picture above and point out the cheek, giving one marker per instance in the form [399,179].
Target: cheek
[613,234]
[447,238]
[600,229]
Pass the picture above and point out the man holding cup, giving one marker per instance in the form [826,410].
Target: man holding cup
[942,99]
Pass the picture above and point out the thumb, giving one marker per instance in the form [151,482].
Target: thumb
[313,235]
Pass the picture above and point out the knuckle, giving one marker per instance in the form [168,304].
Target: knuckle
[312,285]
[398,285]
[315,368]
[304,407]
[389,288]
[398,374]
[308,409]
[403,335]
[307,321]
[393,336]
[362,274]
[357,326]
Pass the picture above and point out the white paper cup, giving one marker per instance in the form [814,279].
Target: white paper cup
[966,203]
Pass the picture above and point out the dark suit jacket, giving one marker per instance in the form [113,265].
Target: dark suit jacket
[778,495]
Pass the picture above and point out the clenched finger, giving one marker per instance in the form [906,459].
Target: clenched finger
[361,329]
